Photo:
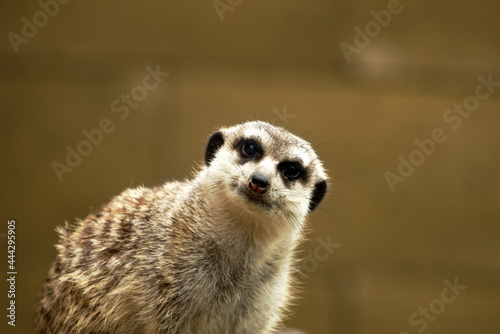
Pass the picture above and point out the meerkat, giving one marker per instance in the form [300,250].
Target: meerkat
[209,255]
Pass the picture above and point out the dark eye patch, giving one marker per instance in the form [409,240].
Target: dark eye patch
[291,170]
[249,149]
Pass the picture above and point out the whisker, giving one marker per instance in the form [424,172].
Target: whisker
[325,142]
[309,132]
[307,198]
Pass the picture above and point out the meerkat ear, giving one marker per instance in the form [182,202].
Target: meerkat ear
[318,194]
[214,143]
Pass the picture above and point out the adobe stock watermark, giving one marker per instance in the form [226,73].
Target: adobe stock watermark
[453,118]
[363,37]
[283,116]
[436,307]
[30,28]
[323,250]
[223,6]
[121,107]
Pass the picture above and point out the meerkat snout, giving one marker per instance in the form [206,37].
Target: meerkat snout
[258,183]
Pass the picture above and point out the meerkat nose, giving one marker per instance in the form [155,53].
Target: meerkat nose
[258,183]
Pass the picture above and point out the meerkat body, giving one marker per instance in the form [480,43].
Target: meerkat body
[211,255]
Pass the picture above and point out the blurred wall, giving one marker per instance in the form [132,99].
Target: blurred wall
[365,81]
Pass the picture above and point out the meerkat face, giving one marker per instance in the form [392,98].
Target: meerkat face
[264,169]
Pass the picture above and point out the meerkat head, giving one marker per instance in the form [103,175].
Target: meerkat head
[262,169]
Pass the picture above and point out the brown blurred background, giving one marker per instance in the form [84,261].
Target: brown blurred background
[265,60]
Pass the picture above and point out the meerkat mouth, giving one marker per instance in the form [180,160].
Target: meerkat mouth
[255,200]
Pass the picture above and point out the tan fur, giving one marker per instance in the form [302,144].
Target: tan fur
[188,257]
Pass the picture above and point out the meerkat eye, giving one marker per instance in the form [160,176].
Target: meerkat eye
[291,170]
[250,149]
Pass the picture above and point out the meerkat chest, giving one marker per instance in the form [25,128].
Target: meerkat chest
[238,297]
